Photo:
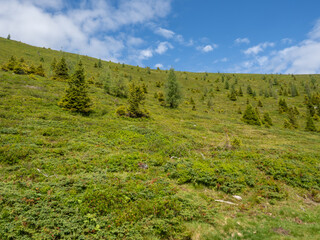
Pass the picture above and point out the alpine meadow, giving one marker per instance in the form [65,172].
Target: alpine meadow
[92,149]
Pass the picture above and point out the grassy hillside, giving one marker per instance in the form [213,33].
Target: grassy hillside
[68,176]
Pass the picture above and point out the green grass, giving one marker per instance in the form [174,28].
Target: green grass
[68,176]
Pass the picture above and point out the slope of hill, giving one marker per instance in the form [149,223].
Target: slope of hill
[101,176]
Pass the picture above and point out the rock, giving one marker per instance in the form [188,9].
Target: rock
[237,197]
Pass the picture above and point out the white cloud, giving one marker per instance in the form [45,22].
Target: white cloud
[158,65]
[258,48]
[134,41]
[163,47]
[302,58]
[145,54]
[223,60]
[54,24]
[286,41]
[165,32]
[207,48]
[51,4]
[242,40]
[315,32]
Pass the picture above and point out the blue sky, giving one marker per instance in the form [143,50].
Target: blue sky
[255,36]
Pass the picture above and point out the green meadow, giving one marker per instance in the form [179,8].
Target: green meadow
[67,175]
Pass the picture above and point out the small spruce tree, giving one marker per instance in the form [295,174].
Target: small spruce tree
[240,92]
[10,66]
[291,122]
[283,107]
[40,71]
[233,95]
[100,63]
[76,98]
[53,64]
[249,90]
[173,92]
[250,116]
[61,70]
[310,124]
[267,119]
[135,99]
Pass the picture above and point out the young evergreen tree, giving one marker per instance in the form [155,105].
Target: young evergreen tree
[260,104]
[173,92]
[250,116]
[119,88]
[40,71]
[53,64]
[76,98]
[226,84]
[10,66]
[61,70]
[240,92]
[135,99]
[291,122]
[233,96]
[267,119]
[99,63]
[249,90]
[283,107]
[310,124]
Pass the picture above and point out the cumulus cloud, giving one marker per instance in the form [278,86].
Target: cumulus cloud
[145,54]
[223,60]
[163,47]
[158,65]
[286,41]
[207,48]
[315,32]
[258,48]
[134,41]
[165,32]
[302,58]
[87,28]
[242,40]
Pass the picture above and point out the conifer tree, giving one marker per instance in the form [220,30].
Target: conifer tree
[267,119]
[10,65]
[191,101]
[310,124]
[260,104]
[291,122]
[283,107]
[250,116]
[226,84]
[61,70]
[233,96]
[173,92]
[53,64]
[210,102]
[76,98]
[135,99]
[240,92]
[99,63]
[40,71]
[249,90]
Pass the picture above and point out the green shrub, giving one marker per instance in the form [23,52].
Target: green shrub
[121,111]
[14,153]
